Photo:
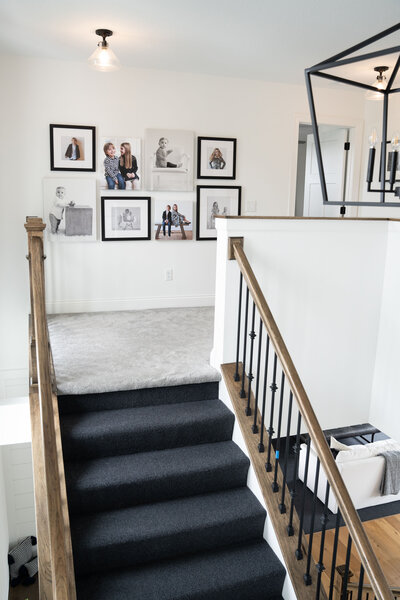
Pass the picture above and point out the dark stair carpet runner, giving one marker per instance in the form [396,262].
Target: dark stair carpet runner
[158,502]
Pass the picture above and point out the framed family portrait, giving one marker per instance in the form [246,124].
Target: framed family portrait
[216,158]
[72,148]
[125,218]
[169,160]
[69,209]
[173,218]
[128,152]
[212,202]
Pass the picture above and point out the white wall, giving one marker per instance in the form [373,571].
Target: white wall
[262,116]
[385,405]
[323,282]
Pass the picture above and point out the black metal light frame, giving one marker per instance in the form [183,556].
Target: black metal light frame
[340,60]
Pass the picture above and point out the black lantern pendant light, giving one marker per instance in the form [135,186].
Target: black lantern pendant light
[381,88]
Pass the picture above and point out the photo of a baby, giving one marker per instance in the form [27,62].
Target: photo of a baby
[169,160]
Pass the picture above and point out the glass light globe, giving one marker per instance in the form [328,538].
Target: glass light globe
[103,58]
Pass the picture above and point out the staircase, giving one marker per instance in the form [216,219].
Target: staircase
[157,496]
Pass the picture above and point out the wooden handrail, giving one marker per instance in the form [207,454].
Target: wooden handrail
[349,513]
[56,575]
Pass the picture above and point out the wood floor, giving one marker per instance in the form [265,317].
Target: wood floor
[20,592]
[384,535]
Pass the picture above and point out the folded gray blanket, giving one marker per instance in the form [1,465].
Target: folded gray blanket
[391,475]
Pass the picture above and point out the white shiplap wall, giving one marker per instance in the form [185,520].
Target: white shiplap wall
[18,485]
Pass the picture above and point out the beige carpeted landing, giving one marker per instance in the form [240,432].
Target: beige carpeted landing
[111,351]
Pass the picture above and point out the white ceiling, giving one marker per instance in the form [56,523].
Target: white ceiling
[256,39]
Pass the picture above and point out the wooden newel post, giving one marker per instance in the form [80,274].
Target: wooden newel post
[34,227]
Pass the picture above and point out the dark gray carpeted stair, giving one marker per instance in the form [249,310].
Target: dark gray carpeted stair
[158,502]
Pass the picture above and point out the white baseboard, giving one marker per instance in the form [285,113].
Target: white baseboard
[14,383]
[75,306]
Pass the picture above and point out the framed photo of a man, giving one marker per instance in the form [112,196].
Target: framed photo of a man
[216,158]
[70,209]
[212,202]
[72,148]
[125,218]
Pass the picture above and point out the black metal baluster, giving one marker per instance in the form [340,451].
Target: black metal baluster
[275,486]
[346,569]
[237,376]
[261,443]
[250,376]
[296,450]
[255,426]
[282,506]
[320,563]
[334,555]
[242,392]
[273,388]
[299,550]
[307,577]
[361,583]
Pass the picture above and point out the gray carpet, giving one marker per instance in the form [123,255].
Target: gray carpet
[127,350]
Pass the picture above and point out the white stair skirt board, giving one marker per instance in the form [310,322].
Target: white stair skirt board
[125,350]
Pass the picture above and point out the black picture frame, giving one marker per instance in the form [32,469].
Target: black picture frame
[207,194]
[59,147]
[111,210]
[227,148]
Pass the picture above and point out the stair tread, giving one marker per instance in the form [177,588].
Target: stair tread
[247,572]
[156,475]
[128,430]
[164,529]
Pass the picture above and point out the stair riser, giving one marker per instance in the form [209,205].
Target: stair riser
[143,551]
[156,490]
[134,398]
[174,436]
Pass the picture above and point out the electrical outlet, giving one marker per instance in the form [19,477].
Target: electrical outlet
[169,274]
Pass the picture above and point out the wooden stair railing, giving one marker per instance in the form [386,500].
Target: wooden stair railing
[56,571]
[245,398]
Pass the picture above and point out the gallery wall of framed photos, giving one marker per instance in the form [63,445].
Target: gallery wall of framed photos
[163,165]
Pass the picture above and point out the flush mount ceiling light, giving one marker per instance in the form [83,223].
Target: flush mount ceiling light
[379,83]
[103,58]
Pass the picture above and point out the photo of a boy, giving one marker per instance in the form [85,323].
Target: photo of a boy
[57,210]
[111,168]
[166,220]
[162,154]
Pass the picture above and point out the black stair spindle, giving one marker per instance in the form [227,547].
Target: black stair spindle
[282,505]
[334,555]
[361,583]
[273,388]
[299,550]
[242,392]
[255,426]
[296,450]
[250,376]
[275,485]
[324,520]
[237,376]
[261,443]
[346,569]
[307,576]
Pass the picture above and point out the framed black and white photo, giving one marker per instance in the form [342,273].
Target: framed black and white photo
[216,158]
[169,160]
[215,201]
[126,153]
[72,148]
[125,218]
[173,217]
[70,209]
